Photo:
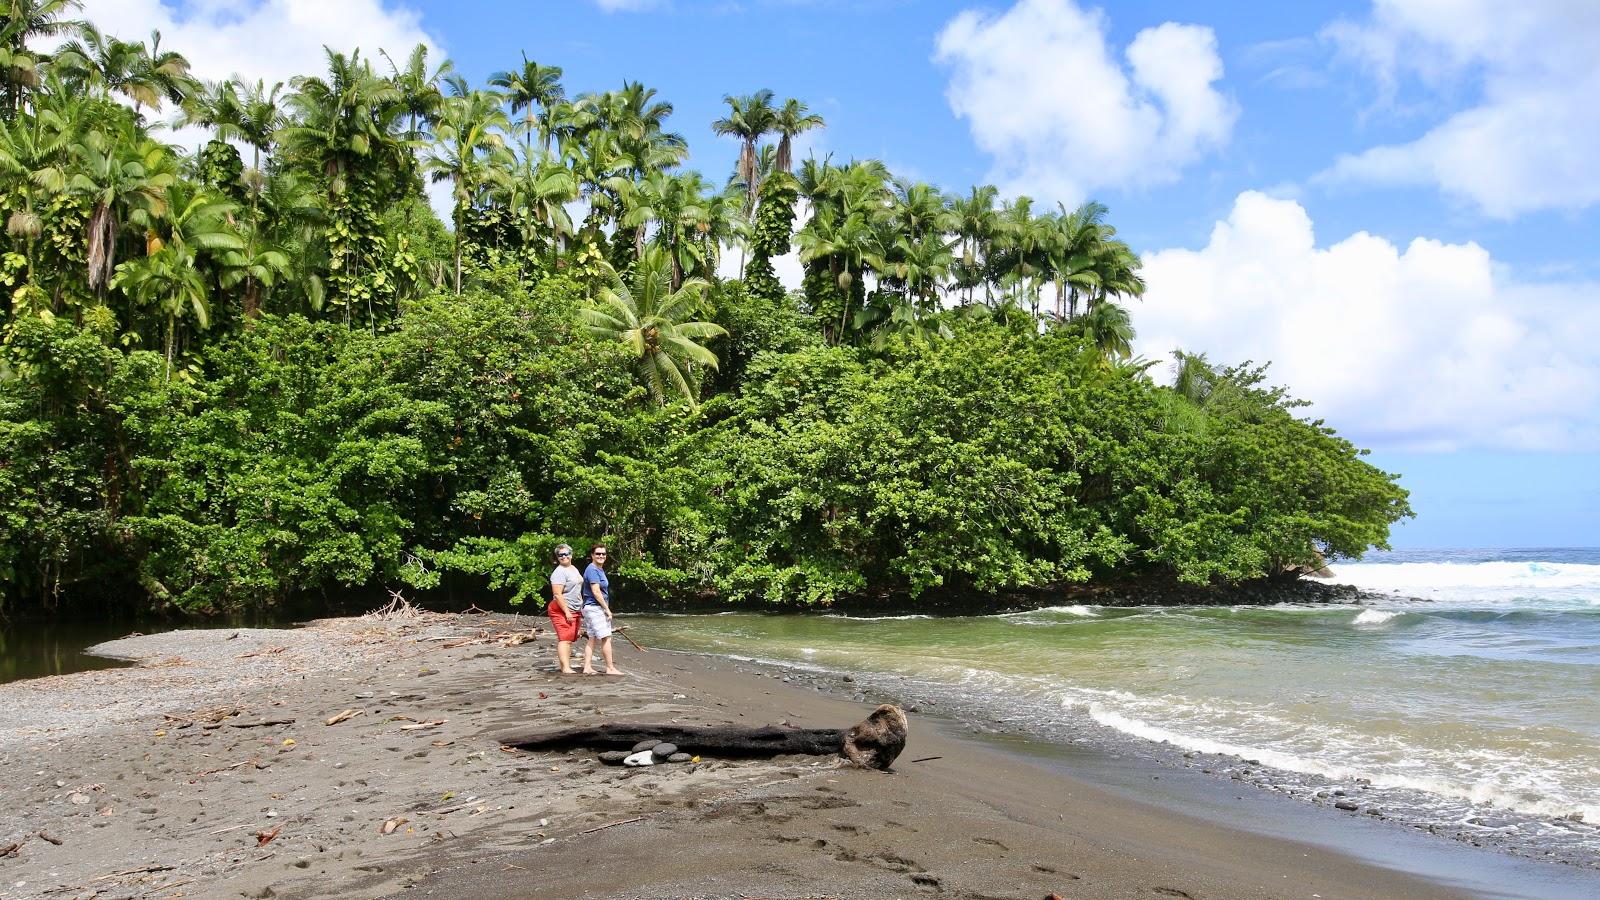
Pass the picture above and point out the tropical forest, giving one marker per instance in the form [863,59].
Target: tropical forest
[266,371]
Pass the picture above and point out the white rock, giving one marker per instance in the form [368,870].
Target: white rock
[642,758]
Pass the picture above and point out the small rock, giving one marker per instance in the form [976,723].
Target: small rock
[664,750]
[642,758]
[679,758]
[77,799]
[364,695]
[644,745]
[263,765]
[613,757]
[1346,805]
[849,678]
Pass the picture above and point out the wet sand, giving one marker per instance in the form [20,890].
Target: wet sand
[141,786]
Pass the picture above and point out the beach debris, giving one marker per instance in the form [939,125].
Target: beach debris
[262,723]
[78,799]
[623,630]
[417,725]
[642,758]
[344,716]
[614,824]
[873,743]
[10,849]
[389,825]
[266,651]
[288,742]
[49,838]
[141,870]
[264,838]
[927,759]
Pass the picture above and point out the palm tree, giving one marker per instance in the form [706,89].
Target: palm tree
[26,22]
[33,151]
[749,118]
[469,152]
[1110,329]
[533,87]
[169,282]
[257,270]
[792,119]
[120,181]
[647,317]
[974,222]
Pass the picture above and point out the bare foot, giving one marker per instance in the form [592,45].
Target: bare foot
[590,672]
[615,672]
[569,671]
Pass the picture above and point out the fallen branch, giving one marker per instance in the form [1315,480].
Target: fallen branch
[873,744]
[344,716]
[615,824]
[629,638]
[261,723]
[142,870]
[927,759]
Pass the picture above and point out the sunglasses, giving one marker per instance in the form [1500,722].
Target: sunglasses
[598,553]
[563,556]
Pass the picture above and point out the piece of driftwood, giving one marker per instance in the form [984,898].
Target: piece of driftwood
[874,743]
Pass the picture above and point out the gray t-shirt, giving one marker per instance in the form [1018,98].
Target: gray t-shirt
[571,581]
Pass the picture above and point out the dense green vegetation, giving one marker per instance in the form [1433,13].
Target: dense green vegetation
[267,371]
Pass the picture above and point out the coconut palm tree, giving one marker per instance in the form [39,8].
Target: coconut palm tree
[647,316]
[469,152]
[792,119]
[1108,326]
[33,158]
[974,222]
[28,22]
[169,282]
[749,118]
[534,90]
[123,183]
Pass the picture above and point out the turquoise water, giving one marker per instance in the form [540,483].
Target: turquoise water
[1476,707]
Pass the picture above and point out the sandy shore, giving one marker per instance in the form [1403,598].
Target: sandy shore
[160,781]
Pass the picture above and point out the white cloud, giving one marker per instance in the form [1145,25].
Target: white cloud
[1431,347]
[269,39]
[1062,117]
[1530,140]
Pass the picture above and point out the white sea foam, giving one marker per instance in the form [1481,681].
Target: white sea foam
[1076,609]
[1484,581]
[1374,617]
[1489,779]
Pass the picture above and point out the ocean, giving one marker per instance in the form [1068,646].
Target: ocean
[1463,698]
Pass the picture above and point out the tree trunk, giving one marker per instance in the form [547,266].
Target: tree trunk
[873,743]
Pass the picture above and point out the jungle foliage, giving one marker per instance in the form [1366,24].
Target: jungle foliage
[265,370]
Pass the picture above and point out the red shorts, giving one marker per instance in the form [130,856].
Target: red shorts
[566,630]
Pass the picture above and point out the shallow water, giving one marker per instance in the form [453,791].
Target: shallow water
[1477,709]
[37,649]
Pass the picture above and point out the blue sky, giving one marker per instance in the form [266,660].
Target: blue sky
[1393,201]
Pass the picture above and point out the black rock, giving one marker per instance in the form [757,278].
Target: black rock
[644,745]
[849,678]
[613,757]
[1346,805]
[664,750]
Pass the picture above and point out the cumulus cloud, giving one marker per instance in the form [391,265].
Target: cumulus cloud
[1429,347]
[1529,141]
[272,40]
[1062,117]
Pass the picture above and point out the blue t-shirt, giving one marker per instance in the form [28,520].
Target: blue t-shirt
[591,576]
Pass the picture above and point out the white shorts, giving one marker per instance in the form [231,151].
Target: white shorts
[595,621]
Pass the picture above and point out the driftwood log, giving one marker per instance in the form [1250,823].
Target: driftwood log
[873,743]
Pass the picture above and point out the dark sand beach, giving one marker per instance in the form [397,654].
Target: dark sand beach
[157,781]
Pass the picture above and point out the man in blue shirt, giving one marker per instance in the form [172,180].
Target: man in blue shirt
[597,611]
